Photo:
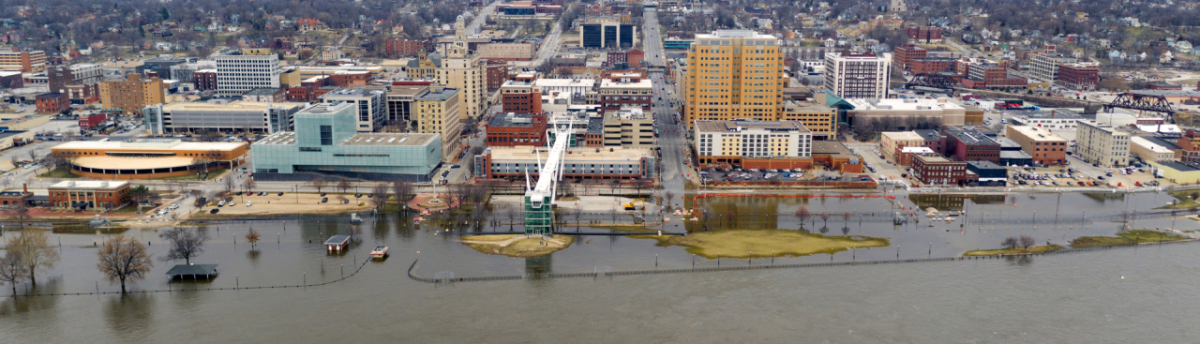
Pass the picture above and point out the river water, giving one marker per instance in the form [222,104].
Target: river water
[1120,295]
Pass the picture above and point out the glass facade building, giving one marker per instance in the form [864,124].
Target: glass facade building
[327,144]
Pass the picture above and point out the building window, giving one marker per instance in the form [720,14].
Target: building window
[326,135]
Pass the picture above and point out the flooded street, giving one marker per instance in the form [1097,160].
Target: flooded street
[1117,295]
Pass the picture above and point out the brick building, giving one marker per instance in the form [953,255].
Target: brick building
[497,73]
[516,129]
[11,79]
[625,89]
[902,56]
[1045,147]
[931,65]
[924,34]
[936,170]
[403,47]
[205,79]
[81,82]
[89,194]
[521,95]
[53,102]
[970,144]
[1078,76]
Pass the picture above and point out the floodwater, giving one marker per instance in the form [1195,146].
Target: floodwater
[1120,295]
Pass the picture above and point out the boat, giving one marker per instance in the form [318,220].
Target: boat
[379,252]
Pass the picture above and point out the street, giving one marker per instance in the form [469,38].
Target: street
[671,140]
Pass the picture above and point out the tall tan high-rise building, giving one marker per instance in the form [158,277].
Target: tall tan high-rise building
[437,112]
[132,94]
[462,69]
[734,74]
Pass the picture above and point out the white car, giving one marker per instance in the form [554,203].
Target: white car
[249,203]
[233,203]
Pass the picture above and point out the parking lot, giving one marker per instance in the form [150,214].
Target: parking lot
[776,175]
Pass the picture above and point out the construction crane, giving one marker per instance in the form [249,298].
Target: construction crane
[539,198]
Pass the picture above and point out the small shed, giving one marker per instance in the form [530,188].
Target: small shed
[337,243]
[194,271]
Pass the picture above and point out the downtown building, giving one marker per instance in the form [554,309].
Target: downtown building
[237,74]
[733,74]
[370,102]
[858,76]
[464,71]
[607,33]
[80,82]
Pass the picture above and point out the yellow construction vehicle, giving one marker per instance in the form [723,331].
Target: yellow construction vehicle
[631,206]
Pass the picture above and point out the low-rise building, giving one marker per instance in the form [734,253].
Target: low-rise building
[988,173]
[574,86]
[516,129]
[877,109]
[936,170]
[233,117]
[1181,172]
[372,113]
[1100,144]
[1148,150]
[326,144]
[84,194]
[521,95]
[726,142]
[1079,76]
[891,141]
[52,102]
[628,127]
[623,90]
[515,163]
[1045,147]
[820,119]
[132,94]
[265,95]
[148,158]
[971,144]
[1052,119]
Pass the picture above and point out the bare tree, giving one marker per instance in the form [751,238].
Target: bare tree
[577,213]
[12,270]
[1026,241]
[317,183]
[35,252]
[185,244]
[229,183]
[344,184]
[252,237]
[249,185]
[124,259]
[670,195]
[802,214]
[379,195]
[19,212]
[1009,242]
[824,217]
[511,213]
[403,190]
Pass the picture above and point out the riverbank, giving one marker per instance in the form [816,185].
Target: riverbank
[517,245]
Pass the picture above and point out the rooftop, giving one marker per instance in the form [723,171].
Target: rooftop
[929,134]
[971,136]
[1045,114]
[903,135]
[407,91]
[931,158]
[442,93]
[1037,134]
[511,119]
[325,108]
[389,139]
[1180,166]
[527,153]
[736,126]
[1158,141]
[89,184]
[644,83]
[902,104]
[579,82]
[984,165]
[262,92]
[356,91]
[734,34]
[917,150]
[150,145]
[193,269]
[1152,146]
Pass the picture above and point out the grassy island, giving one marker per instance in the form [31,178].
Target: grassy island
[1014,251]
[739,243]
[517,245]
[1135,236]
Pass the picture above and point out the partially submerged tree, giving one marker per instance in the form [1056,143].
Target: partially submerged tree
[252,238]
[802,214]
[379,195]
[12,270]
[1009,242]
[1025,241]
[124,260]
[185,244]
[36,253]
[19,212]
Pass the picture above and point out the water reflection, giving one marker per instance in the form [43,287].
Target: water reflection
[16,305]
[129,315]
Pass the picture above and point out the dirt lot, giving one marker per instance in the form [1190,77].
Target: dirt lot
[290,203]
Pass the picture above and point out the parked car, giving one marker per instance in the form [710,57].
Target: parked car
[214,211]
[249,203]
[324,199]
